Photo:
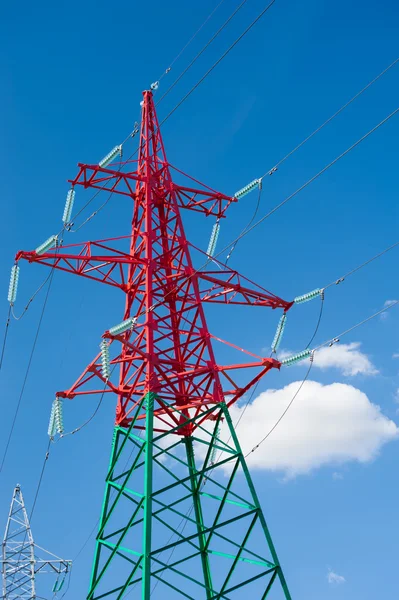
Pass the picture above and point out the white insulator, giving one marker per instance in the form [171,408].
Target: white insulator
[154,86]
[248,188]
[66,217]
[213,239]
[278,336]
[124,326]
[58,416]
[104,162]
[51,425]
[13,287]
[308,296]
[50,243]
[105,361]
[296,357]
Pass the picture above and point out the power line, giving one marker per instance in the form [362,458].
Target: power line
[309,137]
[95,410]
[215,64]
[232,15]
[364,264]
[373,316]
[3,349]
[309,181]
[190,40]
[40,479]
[318,320]
[283,414]
[248,224]
[27,371]
[41,286]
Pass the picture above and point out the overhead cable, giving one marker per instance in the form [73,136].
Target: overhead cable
[219,60]
[364,264]
[373,316]
[7,327]
[39,484]
[190,40]
[232,15]
[27,371]
[311,180]
[340,110]
[283,414]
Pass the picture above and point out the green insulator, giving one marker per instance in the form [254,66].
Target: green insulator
[58,416]
[105,361]
[104,162]
[248,188]
[13,287]
[213,239]
[51,425]
[278,336]
[287,362]
[66,217]
[50,243]
[308,296]
[124,326]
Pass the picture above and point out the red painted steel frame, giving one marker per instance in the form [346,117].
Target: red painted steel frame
[169,351]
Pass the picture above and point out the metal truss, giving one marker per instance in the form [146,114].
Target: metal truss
[168,385]
[203,530]
[20,560]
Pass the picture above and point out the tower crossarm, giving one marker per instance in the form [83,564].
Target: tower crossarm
[237,391]
[108,180]
[229,287]
[52,566]
[204,199]
[93,260]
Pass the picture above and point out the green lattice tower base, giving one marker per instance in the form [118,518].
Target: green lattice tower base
[175,525]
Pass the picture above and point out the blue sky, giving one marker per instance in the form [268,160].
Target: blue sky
[72,80]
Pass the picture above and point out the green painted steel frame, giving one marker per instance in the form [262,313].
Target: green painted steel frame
[146,566]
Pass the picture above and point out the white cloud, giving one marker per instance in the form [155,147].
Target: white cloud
[334,578]
[389,302]
[345,357]
[326,425]
[337,476]
[395,355]
[385,315]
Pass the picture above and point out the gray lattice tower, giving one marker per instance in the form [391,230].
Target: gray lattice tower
[20,563]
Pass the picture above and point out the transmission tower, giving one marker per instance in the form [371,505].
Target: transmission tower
[20,563]
[173,523]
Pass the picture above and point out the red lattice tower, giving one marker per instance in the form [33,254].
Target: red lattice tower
[169,382]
